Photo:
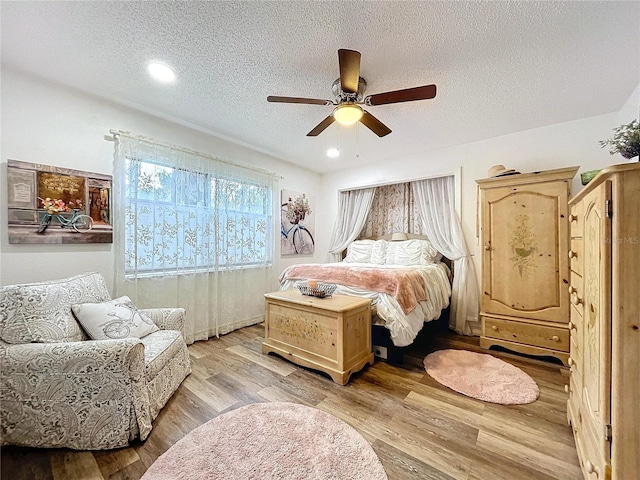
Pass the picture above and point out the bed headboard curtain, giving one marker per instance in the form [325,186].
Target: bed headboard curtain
[435,199]
[393,210]
[430,202]
[353,208]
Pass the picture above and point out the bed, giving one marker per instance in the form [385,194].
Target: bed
[406,281]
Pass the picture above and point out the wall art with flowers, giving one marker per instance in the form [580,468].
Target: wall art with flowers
[48,204]
[297,223]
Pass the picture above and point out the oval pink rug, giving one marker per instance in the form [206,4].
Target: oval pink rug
[270,441]
[481,376]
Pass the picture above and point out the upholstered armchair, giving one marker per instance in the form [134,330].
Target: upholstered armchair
[60,389]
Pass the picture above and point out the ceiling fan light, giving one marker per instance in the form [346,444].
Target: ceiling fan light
[347,113]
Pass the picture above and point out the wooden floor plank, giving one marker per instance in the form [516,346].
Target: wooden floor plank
[269,362]
[112,461]
[211,394]
[400,466]
[550,465]
[419,428]
[20,463]
[70,464]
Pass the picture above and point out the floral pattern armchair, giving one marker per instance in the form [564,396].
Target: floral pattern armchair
[60,389]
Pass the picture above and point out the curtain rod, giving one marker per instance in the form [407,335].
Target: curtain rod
[121,133]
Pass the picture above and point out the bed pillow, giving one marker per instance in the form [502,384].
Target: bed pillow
[429,253]
[359,251]
[411,252]
[379,252]
[117,318]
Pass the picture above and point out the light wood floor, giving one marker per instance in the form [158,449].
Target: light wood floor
[418,428]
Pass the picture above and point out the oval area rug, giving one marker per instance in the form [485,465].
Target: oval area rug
[481,376]
[270,441]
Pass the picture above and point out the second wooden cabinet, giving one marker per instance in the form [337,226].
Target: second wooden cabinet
[525,268]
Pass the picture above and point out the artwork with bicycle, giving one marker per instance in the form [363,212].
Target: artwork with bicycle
[56,209]
[55,205]
[297,224]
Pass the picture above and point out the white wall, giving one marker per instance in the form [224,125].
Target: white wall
[562,145]
[631,109]
[45,123]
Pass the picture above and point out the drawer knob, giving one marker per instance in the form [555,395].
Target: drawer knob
[572,326]
[573,218]
[566,389]
[555,338]
[591,468]
[487,247]
[572,290]
[573,254]
[494,328]
[571,362]
[576,300]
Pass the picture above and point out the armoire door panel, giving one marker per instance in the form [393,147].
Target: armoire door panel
[603,403]
[525,259]
[596,333]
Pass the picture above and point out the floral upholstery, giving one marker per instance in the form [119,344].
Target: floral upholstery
[41,312]
[159,348]
[59,389]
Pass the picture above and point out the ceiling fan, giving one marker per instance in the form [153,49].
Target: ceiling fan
[349,95]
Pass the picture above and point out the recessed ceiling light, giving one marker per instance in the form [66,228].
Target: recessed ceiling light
[161,72]
[333,153]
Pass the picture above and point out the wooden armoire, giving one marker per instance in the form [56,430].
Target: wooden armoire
[525,268]
[604,388]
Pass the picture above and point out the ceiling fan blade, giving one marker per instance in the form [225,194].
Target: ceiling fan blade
[349,61]
[425,92]
[309,101]
[375,125]
[321,126]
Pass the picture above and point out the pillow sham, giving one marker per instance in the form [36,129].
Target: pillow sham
[379,252]
[429,253]
[411,252]
[117,318]
[359,251]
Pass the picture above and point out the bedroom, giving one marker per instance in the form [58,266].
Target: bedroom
[532,100]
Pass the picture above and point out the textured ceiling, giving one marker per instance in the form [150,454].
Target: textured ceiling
[500,67]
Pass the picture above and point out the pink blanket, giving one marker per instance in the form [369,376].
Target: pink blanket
[406,285]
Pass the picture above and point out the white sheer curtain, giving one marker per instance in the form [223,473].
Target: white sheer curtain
[195,232]
[435,199]
[353,208]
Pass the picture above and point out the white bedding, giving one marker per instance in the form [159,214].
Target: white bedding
[403,327]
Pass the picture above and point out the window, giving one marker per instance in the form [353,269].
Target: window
[183,220]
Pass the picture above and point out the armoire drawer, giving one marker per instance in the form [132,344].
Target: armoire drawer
[576,257]
[576,220]
[576,291]
[527,333]
[575,358]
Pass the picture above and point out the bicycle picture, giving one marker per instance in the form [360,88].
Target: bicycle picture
[296,238]
[79,222]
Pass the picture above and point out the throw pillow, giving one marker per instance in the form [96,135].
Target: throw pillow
[118,318]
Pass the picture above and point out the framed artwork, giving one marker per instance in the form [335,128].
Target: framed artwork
[297,223]
[48,204]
